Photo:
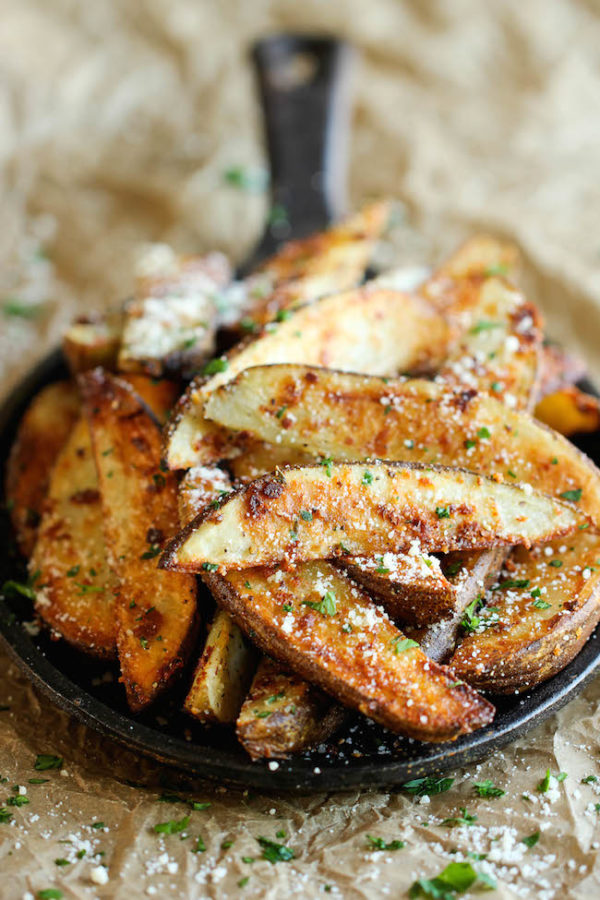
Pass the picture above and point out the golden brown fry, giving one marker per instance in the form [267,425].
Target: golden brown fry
[537,618]
[569,411]
[285,714]
[155,610]
[346,416]
[223,673]
[42,433]
[329,261]
[75,589]
[359,509]
[326,629]
[371,329]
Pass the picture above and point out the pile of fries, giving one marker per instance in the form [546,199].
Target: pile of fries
[365,482]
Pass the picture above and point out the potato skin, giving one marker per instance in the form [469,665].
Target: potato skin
[532,643]
[284,714]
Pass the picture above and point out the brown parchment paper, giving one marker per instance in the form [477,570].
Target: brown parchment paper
[117,121]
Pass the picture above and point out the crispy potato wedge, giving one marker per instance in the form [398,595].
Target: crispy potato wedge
[536,620]
[349,416]
[75,589]
[569,411]
[499,349]
[325,628]
[469,575]
[42,433]
[285,714]
[155,611]
[479,258]
[326,262]
[227,663]
[93,341]
[410,586]
[223,673]
[373,329]
[160,394]
[364,509]
[559,369]
[170,322]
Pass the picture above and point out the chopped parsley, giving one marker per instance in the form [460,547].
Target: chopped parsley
[283,315]
[15,588]
[200,846]
[428,786]
[151,553]
[377,843]
[465,818]
[45,761]
[73,572]
[544,784]
[215,366]
[484,325]
[519,583]
[400,644]
[484,433]
[306,515]
[555,563]
[326,605]
[487,788]
[61,862]
[574,496]
[471,621]
[173,826]
[531,840]
[16,309]
[381,569]
[442,512]
[541,604]
[456,878]
[367,478]
[273,852]
[18,800]
[50,894]
[470,443]
[281,412]
[589,779]
[5,815]
[250,180]
[210,567]
[497,269]
[327,462]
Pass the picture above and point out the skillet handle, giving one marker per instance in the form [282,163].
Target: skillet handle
[304,87]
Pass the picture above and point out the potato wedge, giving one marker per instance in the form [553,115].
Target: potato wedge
[93,341]
[285,714]
[42,433]
[170,322]
[227,663]
[349,416]
[364,509]
[499,350]
[159,394]
[536,619]
[372,329]
[469,575]
[320,624]
[155,610]
[326,262]
[569,411]
[411,586]
[479,258]
[223,673]
[75,589]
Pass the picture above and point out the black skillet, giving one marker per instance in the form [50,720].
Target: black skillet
[302,85]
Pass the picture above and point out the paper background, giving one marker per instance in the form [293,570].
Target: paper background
[117,120]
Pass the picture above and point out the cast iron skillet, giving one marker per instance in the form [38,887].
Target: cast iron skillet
[305,121]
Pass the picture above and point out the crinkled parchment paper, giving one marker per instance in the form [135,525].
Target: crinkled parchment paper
[117,121]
